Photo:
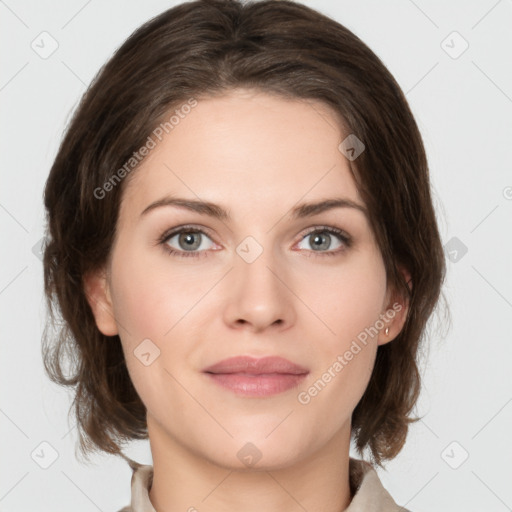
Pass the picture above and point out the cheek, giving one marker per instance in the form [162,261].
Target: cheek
[349,303]
[349,298]
[149,299]
[346,352]
[359,303]
[147,305]
[154,301]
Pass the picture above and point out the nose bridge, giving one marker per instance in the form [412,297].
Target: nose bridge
[259,296]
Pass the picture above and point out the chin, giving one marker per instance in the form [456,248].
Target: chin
[261,451]
[249,458]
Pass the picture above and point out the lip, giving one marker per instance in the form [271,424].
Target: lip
[249,376]
[256,366]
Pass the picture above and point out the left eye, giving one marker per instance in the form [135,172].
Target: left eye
[321,240]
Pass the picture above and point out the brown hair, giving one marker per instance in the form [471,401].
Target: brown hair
[207,47]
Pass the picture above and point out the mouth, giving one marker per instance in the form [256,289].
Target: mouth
[251,377]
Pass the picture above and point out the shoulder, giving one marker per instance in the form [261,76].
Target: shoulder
[369,495]
[141,481]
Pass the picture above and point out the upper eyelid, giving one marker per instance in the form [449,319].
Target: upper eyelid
[178,229]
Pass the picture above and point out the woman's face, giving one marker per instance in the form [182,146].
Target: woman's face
[260,280]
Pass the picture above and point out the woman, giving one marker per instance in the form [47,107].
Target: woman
[243,248]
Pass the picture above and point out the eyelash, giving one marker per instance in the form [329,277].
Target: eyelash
[346,239]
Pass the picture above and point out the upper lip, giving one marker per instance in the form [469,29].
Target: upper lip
[252,365]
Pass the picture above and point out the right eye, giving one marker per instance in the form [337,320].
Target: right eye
[189,240]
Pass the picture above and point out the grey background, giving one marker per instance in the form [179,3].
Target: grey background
[463,105]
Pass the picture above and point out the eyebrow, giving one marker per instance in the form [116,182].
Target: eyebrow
[214,210]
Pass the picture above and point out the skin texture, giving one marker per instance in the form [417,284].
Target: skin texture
[258,156]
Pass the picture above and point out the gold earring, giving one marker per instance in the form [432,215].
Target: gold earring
[386,331]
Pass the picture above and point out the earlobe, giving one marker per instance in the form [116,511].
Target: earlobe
[395,315]
[98,295]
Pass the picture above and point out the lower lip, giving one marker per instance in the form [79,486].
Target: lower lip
[257,385]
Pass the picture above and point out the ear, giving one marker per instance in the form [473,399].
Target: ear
[395,313]
[97,291]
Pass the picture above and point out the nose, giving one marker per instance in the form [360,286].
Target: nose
[260,295]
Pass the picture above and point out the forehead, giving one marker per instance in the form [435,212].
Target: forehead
[249,150]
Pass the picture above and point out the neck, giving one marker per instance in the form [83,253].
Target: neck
[185,480]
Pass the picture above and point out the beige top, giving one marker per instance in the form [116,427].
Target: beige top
[368,492]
